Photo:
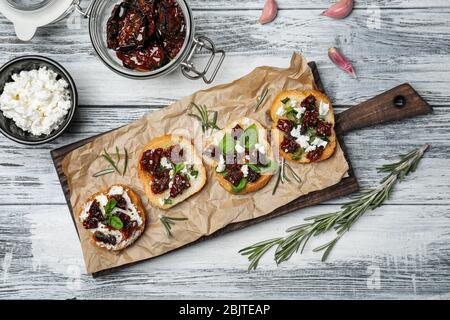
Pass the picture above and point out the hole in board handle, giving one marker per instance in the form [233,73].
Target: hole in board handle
[399,101]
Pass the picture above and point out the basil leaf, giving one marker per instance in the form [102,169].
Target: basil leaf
[194,173]
[110,205]
[254,167]
[115,222]
[226,145]
[241,186]
[250,137]
[285,100]
[298,154]
[168,201]
[99,236]
[179,167]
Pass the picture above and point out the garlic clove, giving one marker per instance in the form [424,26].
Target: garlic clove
[339,10]
[341,61]
[269,12]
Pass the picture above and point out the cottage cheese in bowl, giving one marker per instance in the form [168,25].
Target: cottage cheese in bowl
[36,100]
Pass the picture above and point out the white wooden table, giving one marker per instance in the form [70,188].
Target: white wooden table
[401,250]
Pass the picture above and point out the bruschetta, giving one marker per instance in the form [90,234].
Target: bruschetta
[303,125]
[241,156]
[170,170]
[115,217]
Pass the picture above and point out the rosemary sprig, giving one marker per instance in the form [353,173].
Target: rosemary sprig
[282,175]
[113,163]
[340,221]
[108,158]
[261,98]
[203,116]
[168,222]
[103,172]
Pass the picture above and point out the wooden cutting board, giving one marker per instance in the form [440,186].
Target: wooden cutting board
[398,103]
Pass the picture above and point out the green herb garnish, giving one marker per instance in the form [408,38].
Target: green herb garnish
[103,172]
[283,177]
[254,167]
[203,117]
[168,222]
[226,145]
[178,167]
[109,207]
[113,221]
[168,201]
[241,186]
[261,98]
[285,100]
[113,163]
[193,172]
[250,137]
[340,221]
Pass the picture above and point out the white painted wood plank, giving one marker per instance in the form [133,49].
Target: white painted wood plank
[321,4]
[408,245]
[28,174]
[410,46]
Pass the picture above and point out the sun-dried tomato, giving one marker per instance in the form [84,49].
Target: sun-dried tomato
[323,128]
[149,9]
[170,21]
[146,34]
[121,202]
[160,181]
[172,46]
[289,145]
[310,118]
[252,176]
[179,184]
[151,159]
[128,225]
[285,125]
[95,216]
[315,154]
[234,175]
[126,28]
[309,103]
[144,59]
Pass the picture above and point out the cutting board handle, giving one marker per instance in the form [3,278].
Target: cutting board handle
[396,104]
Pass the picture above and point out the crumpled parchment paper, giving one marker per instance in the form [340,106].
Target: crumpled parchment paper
[212,208]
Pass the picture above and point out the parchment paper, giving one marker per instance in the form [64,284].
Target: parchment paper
[212,208]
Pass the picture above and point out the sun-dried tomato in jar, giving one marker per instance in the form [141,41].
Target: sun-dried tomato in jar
[146,34]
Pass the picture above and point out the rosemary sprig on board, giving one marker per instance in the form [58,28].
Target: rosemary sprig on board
[203,116]
[114,163]
[168,222]
[340,221]
[282,175]
[261,98]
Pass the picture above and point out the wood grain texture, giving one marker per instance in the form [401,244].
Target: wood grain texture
[417,266]
[396,104]
[406,240]
[411,46]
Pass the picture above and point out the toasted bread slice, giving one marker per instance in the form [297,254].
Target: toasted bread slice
[104,234]
[191,158]
[299,96]
[265,177]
